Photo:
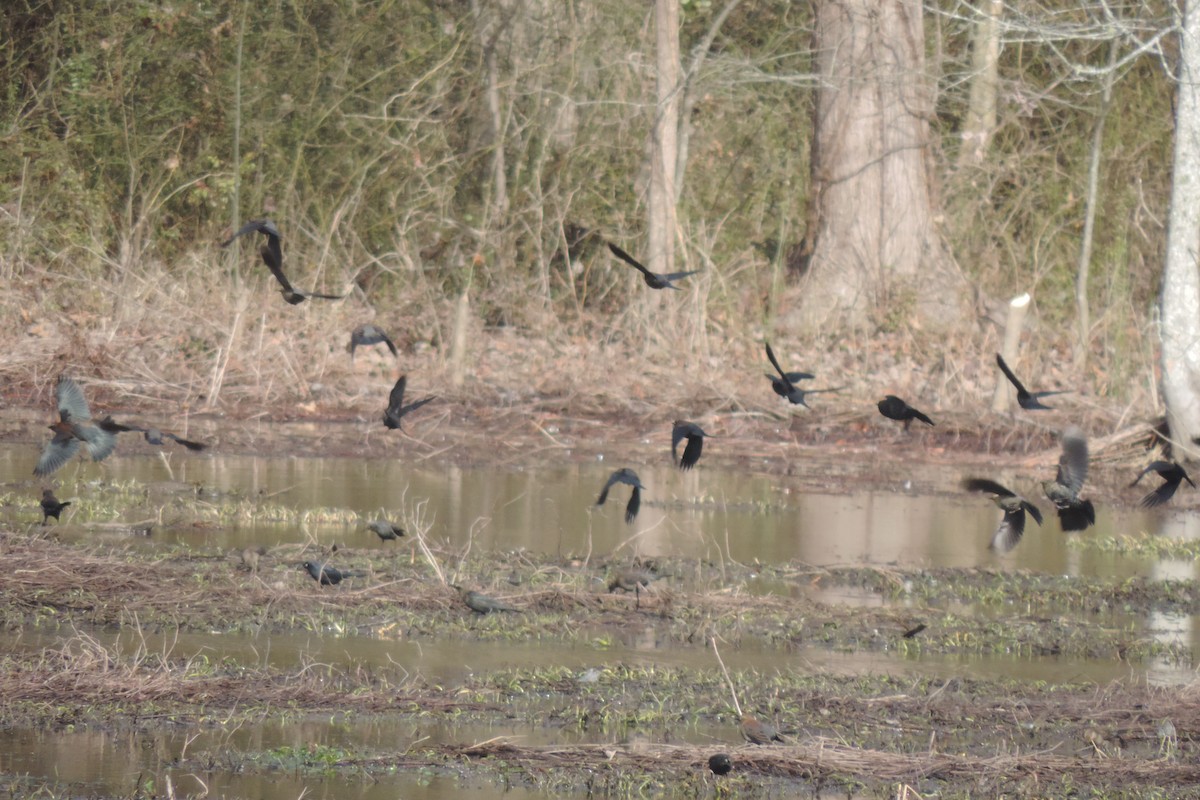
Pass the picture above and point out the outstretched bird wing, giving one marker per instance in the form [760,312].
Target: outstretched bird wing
[1073,463]
[396,398]
[989,486]
[635,502]
[71,403]
[190,445]
[1008,373]
[55,454]
[628,259]
[674,276]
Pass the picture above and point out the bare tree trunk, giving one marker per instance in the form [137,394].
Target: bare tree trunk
[1083,269]
[1180,325]
[877,256]
[980,119]
[660,251]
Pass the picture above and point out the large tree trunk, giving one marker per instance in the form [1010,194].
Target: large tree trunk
[876,256]
[1180,321]
[660,233]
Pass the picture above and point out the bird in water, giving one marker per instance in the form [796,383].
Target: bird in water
[396,410]
[365,335]
[1012,526]
[72,430]
[1171,473]
[386,531]
[695,443]
[629,478]
[758,732]
[1030,401]
[480,603]
[655,280]
[1074,513]
[51,507]
[272,255]
[893,407]
[326,575]
[152,435]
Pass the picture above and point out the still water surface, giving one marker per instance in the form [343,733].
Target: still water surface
[709,513]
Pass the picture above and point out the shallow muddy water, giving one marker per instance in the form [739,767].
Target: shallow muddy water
[710,514]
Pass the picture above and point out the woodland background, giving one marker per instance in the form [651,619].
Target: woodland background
[137,135]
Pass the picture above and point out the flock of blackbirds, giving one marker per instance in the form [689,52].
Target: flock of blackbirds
[76,429]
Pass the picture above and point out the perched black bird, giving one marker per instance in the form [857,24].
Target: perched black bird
[396,410]
[329,576]
[1171,473]
[695,443]
[785,383]
[1012,526]
[1074,512]
[893,407]
[272,256]
[368,335]
[480,603]
[72,429]
[385,530]
[1030,401]
[152,435]
[758,732]
[630,478]
[51,507]
[720,764]
[654,280]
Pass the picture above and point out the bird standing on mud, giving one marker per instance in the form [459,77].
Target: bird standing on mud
[396,410]
[1030,401]
[654,280]
[329,576]
[758,732]
[629,478]
[72,429]
[695,443]
[368,335]
[1171,473]
[272,255]
[893,407]
[720,763]
[1074,513]
[1012,526]
[386,531]
[152,435]
[480,603]
[51,507]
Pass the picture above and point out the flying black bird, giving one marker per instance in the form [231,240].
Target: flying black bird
[1030,401]
[720,763]
[630,478]
[480,603]
[272,256]
[386,531]
[654,280]
[367,335]
[695,443]
[396,410]
[72,429]
[912,632]
[785,383]
[1171,473]
[893,407]
[329,576]
[51,507]
[758,732]
[1012,526]
[1074,512]
[152,435]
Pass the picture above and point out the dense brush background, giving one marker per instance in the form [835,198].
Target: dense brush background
[136,134]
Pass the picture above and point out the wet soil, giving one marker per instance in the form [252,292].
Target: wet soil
[647,727]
